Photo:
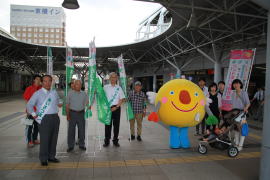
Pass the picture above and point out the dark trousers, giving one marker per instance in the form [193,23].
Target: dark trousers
[32,132]
[76,118]
[115,121]
[48,130]
[202,124]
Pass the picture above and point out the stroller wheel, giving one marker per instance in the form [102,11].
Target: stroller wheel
[232,151]
[202,149]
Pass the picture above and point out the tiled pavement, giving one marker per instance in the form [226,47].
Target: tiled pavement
[150,159]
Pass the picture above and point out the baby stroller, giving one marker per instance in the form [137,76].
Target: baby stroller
[222,139]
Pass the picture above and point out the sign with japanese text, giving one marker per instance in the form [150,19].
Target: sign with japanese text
[241,62]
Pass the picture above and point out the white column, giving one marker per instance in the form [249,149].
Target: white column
[217,72]
[154,83]
[265,158]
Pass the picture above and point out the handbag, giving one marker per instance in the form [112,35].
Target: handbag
[27,121]
[244,129]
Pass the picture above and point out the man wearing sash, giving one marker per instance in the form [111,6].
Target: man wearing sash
[46,100]
[115,96]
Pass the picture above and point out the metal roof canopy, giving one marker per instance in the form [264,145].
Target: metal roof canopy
[219,25]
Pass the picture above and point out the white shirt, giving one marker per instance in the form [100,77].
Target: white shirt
[38,99]
[111,92]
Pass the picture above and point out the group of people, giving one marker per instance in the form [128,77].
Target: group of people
[43,104]
[239,101]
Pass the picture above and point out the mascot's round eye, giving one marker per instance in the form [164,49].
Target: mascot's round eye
[196,94]
[172,92]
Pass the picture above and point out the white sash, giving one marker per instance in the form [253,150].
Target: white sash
[114,96]
[44,108]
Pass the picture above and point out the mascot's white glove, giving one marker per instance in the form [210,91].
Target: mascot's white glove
[207,109]
[151,97]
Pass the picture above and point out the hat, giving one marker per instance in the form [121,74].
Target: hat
[138,83]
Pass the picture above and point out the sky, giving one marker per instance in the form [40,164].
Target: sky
[111,22]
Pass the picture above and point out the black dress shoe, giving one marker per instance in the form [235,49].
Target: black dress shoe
[139,138]
[106,144]
[54,160]
[45,163]
[116,144]
[70,149]
[82,148]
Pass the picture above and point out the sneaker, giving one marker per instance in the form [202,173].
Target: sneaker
[196,134]
[30,144]
[240,148]
[36,142]
[139,138]
[132,137]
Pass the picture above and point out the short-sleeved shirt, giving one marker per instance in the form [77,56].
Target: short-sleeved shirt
[137,100]
[239,102]
[77,100]
[39,98]
[114,94]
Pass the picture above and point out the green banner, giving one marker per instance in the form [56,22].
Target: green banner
[123,83]
[69,73]
[95,88]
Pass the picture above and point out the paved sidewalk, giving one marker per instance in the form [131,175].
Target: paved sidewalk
[150,159]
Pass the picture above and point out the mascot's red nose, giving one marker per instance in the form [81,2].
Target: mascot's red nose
[184,97]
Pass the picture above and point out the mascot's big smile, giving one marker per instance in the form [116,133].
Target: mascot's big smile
[182,109]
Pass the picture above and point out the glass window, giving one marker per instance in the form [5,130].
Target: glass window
[29,41]
[40,41]
[57,35]
[57,30]
[57,41]
[35,40]
[46,41]
[29,29]
[29,34]
[51,41]
[40,29]
[23,35]
[40,35]
[18,28]
[18,34]
[24,29]
[52,30]
[46,35]
[12,28]
[47,30]
[23,39]
[52,36]
[35,35]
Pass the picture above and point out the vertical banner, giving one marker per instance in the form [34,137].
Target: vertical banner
[123,83]
[240,67]
[91,75]
[49,61]
[95,87]
[69,73]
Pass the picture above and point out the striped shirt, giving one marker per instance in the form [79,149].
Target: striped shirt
[137,100]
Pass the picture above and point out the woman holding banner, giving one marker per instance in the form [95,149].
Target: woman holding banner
[240,101]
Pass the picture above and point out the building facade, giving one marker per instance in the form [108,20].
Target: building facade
[38,24]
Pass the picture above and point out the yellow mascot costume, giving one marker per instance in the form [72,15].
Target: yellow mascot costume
[180,104]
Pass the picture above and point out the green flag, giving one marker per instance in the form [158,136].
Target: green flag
[95,87]
[69,73]
[123,82]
